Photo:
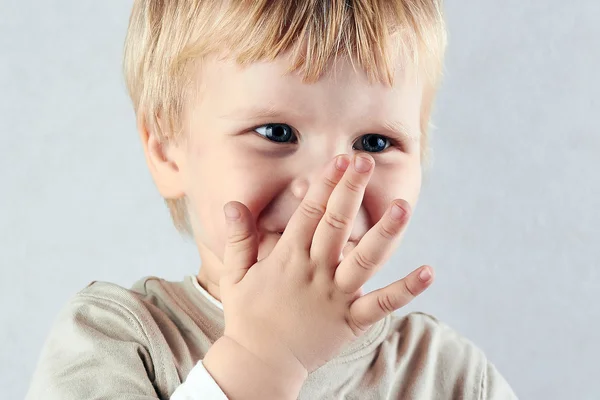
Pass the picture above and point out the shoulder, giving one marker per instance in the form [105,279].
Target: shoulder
[425,329]
[447,358]
[101,296]
[102,308]
[137,308]
[144,287]
[105,333]
[421,333]
[140,296]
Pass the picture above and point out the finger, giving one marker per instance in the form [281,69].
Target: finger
[335,228]
[302,225]
[241,249]
[346,251]
[374,306]
[374,248]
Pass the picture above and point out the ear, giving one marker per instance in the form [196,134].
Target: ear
[162,158]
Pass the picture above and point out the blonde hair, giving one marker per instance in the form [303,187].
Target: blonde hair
[167,38]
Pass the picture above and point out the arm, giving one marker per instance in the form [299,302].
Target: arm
[240,373]
[244,375]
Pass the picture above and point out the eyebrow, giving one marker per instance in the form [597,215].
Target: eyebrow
[401,130]
[250,113]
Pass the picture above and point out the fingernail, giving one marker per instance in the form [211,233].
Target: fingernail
[397,212]
[425,275]
[232,213]
[362,164]
[342,163]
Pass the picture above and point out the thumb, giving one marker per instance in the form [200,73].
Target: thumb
[241,249]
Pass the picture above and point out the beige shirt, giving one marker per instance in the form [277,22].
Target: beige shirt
[113,343]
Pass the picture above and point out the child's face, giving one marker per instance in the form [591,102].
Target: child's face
[230,157]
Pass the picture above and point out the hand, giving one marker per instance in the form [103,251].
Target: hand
[297,308]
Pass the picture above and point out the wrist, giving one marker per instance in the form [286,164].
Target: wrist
[244,373]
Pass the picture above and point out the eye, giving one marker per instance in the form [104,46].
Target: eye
[373,143]
[280,133]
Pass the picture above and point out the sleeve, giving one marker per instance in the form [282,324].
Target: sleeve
[494,386]
[199,385]
[97,349]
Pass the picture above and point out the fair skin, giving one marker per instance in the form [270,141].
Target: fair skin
[293,300]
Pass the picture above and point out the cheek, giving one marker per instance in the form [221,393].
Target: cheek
[410,188]
[390,184]
[211,192]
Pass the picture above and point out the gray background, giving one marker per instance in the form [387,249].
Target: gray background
[509,213]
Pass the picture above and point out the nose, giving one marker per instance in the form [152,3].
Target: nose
[300,187]
[311,174]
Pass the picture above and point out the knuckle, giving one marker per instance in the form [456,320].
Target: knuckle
[387,303]
[337,220]
[408,289]
[356,326]
[312,210]
[386,231]
[330,183]
[364,262]
[406,209]
[282,259]
[352,186]
[239,237]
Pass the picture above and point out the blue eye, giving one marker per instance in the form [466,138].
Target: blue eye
[283,133]
[280,133]
[374,143]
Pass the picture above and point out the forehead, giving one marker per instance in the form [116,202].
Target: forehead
[226,88]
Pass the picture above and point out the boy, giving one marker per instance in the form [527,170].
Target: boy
[287,138]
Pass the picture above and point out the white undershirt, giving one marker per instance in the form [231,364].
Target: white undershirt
[199,384]
[214,301]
